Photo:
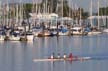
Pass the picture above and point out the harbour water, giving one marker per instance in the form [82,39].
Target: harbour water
[18,56]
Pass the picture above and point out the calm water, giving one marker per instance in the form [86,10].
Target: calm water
[18,56]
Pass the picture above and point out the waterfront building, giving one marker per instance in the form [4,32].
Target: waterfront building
[102,21]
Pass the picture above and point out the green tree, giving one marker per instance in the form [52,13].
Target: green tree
[27,10]
[103,11]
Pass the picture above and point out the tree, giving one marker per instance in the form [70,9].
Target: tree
[27,9]
[103,11]
[53,4]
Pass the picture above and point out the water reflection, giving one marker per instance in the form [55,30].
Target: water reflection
[15,56]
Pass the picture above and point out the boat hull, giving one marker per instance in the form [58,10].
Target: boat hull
[63,59]
[94,33]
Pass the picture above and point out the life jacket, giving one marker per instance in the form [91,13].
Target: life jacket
[70,56]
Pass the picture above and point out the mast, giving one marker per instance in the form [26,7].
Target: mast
[17,15]
[7,10]
[91,14]
[13,15]
[33,11]
[46,6]
[51,8]
[20,12]
[80,16]
[62,8]
[0,14]
[106,15]
[98,16]
[36,8]
[4,17]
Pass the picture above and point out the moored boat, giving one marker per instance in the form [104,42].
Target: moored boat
[94,31]
[78,31]
[105,30]
[28,36]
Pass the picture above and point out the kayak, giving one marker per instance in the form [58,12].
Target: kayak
[62,59]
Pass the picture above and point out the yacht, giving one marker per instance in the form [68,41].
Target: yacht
[94,31]
[78,31]
[105,30]
[2,35]
[28,36]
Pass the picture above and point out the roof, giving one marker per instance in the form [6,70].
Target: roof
[92,17]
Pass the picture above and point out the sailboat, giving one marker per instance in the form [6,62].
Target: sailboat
[105,30]
[62,28]
[106,21]
[26,35]
[2,35]
[94,30]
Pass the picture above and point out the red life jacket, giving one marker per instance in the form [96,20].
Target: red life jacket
[70,56]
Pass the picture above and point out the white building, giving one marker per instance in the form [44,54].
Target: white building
[103,20]
[43,15]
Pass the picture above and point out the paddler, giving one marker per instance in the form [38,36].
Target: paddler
[58,56]
[64,56]
[70,56]
[52,56]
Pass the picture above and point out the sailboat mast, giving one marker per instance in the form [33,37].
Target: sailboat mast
[106,14]
[62,11]
[98,16]
[91,14]
[7,10]
[4,12]
[17,14]
[13,14]
[0,14]
[46,3]
[80,16]
[62,8]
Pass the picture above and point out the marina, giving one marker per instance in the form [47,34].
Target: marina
[53,35]
[23,22]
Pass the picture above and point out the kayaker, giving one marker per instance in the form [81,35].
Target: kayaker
[52,56]
[64,56]
[70,56]
[58,56]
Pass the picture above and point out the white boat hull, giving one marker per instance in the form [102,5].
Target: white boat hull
[30,37]
[63,34]
[35,34]
[77,33]
[105,30]
[13,38]
[27,38]
[94,33]
[62,59]
[2,38]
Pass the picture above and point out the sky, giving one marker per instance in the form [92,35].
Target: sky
[87,3]
[74,3]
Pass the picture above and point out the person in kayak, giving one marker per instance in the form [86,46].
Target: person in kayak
[52,56]
[70,56]
[64,56]
[58,56]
